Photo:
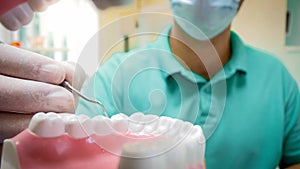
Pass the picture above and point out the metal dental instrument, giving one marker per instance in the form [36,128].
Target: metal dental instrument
[69,87]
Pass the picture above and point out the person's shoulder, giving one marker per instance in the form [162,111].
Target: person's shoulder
[269,64]
[261,57]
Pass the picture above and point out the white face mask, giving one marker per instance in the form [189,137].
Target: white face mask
[103,4]
[204,19]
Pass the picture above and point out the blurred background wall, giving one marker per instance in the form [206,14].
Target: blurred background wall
[263,24]
[65,29]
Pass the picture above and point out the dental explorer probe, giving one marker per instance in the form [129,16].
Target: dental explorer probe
[70,88]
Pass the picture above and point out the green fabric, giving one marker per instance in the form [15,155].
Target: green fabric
[249,111]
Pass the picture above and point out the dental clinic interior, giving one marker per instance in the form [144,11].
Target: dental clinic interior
[76,31]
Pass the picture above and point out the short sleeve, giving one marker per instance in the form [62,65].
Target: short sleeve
[291,143]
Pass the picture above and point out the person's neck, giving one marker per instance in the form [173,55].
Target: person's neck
[205,58]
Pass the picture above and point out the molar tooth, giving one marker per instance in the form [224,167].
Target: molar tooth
[164,125]
[35,122]
[175,130]
[79,126]
[65,116]
[151,123]
[102,125]
[185,130]
[120,123]
[197,133]
[47,125]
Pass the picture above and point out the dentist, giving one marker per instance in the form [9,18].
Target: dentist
[196,64]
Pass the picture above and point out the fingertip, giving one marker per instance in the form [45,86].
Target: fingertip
[52,73]
[24,14]
[10,21]
[17,17]
[61,100]
[75,74]
[38,5]
[69,70]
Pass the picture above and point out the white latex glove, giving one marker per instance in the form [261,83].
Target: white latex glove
[103,4]
[29,82]
[22,14]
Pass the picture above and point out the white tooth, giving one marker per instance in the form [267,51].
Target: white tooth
[47,125]
[151,123]
[185,130]
[102,125]
[78,126]
[65,115]
[174,129]
[87,124]
[120,123]
[136,121]
[164,124]
[199,141]
[35,121]
[197,134]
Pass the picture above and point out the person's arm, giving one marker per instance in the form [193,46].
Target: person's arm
[291,143]
[294,167]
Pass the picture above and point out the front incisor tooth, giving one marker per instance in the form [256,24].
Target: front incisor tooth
[47,125]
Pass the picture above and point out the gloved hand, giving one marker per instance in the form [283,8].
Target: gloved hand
[103,4]
[22,14]
[29,82]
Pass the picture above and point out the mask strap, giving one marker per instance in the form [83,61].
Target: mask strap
[225,3]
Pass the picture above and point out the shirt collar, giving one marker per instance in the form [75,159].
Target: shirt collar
[237,62]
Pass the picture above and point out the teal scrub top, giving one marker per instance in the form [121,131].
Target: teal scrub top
[249,110]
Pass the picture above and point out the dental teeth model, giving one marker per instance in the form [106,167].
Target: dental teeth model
[68,141]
